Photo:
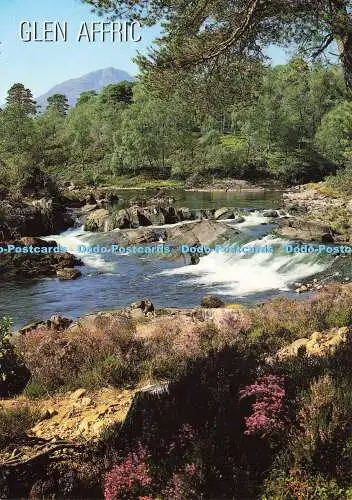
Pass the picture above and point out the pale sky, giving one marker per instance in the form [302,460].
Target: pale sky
[40,66]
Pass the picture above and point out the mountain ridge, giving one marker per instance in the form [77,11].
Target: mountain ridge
[94,80]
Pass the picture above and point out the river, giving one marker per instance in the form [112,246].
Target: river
[111,281]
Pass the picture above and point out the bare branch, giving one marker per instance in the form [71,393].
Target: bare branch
[324,45]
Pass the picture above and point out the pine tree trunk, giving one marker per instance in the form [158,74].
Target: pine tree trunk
[341,23]
[345,49]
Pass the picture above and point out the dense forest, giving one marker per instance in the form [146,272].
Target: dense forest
[290,123]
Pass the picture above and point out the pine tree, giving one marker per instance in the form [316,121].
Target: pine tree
[58,103]
[21,97]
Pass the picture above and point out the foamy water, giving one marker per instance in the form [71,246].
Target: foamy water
[72,239]
[111,281]
[245,274]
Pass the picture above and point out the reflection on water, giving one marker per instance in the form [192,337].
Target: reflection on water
[214,199]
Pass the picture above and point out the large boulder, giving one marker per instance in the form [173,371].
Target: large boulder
[56,323]
[318,344]
[224,213]
[34,265]
[202,232]
[101,220]
[97,220]
[272,214]
[66,274]
[298,229]
[212,302]
[37,218]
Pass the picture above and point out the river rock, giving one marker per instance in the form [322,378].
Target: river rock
[319,344]
[56,323]
[224,213]
[145,305]
[97,220]
[90,199]
[298,229]
[30,265]
[211,302]
[185,213]
[37,218]
[202,232]
[86,209]
[273,214]
[68,274]
[136,216]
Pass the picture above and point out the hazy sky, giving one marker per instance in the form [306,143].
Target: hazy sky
[42,65]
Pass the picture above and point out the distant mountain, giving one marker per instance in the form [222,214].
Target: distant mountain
[96,80]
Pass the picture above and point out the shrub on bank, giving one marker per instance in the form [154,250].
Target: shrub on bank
[13,373]
[92,357]
[298,484]
[116,353]
[130,479]
[268,409]
[111,354]
[281,321]
[15,422]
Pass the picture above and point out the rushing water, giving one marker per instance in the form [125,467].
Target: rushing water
[111,281]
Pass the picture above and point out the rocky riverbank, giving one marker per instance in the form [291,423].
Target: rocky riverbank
[319,215]
[115,381]
[33,217]
[158,214]
[37,265]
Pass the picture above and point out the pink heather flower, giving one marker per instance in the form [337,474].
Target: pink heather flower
[131,475]
[183,483]
[268,408]
[191,469]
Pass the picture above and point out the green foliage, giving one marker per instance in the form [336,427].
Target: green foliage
[13,374]
[216,34]
[280,321]
[21,98]
[58,103]
[15,421]
[196,431]
[334,136]
[291,123]
[342,181]
[300,485]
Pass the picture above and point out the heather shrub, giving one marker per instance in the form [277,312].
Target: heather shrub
[35,389]
[163,366]
[281,321]
[15,422]
[211,301]
[205,396]
[111,370]
[268,415]
[323,441]
[131,478]
[174,335]
[185,484]
[298,484]
[228,328]
[85,356]
[13,373]
[169,343]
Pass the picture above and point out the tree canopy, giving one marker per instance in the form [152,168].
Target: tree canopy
[290,123]
[208,32]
